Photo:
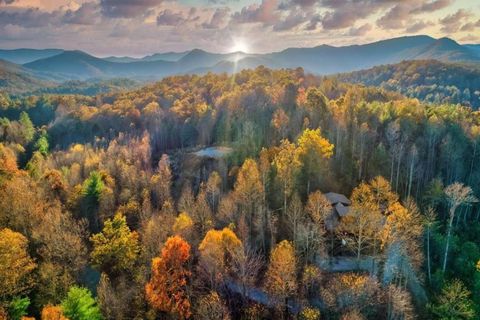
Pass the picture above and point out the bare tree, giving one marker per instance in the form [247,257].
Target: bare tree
[245,266]
[456,194]
[399,304]
[430,220]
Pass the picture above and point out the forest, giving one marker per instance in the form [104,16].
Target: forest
[430,80]
[322,200]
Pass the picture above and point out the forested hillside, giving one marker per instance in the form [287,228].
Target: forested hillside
[328,201]
[429,80]
[15,79]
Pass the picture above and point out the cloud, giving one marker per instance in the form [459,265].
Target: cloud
[395,17]
[451,23]
[223,2]
[127,8]
[219,19]
[360,31]
[169,18]
[400,14]
[28,17]
[7,1]
[313,23]
[419,25]
[292,20]
[299,3]
[87,14]
[344,13]
[265,13]
[432,6]
[470,26]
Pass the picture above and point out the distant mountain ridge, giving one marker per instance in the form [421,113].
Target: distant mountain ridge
[166,56]
[22,56]
[428,80]
[323,59]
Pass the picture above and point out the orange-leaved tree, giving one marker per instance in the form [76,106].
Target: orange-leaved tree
[167,288]
[50,312]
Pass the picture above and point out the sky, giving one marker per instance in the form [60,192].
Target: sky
[142,27]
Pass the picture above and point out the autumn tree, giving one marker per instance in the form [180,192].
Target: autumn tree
[161,182]
[318,207]
[8,161]
[456,194]
[358,229]
[216,250]
[399,304]
[167,288]
[403,225]
[202,214]
[183,225]
[248,192]
[116,248]
[312,151]
[117,298]
[213,188]
[280,122]
[352,315]
[309,313]
[50,312]
[17,265]
[153,234]
[61,244]
[287,164]
[350,291]
[311,279]
[280,278]
[312,230]
[211,306]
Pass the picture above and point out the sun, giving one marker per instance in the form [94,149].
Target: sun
[239,46]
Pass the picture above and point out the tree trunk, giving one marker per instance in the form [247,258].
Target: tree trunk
[398,168]
[410,178]
[429,270]
[452,212]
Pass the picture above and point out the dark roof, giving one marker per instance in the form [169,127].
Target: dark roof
[331,221]
[335,198]
[341,209]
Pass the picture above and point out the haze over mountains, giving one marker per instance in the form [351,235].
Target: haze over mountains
[60,65]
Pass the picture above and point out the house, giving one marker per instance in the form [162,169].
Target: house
[340,208]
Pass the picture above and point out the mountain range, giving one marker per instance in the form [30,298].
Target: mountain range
[62,65]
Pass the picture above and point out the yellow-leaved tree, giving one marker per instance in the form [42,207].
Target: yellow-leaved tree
[313,149]
[248,193]
[280,279]
[287,164]
[216,251]
[16,265]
